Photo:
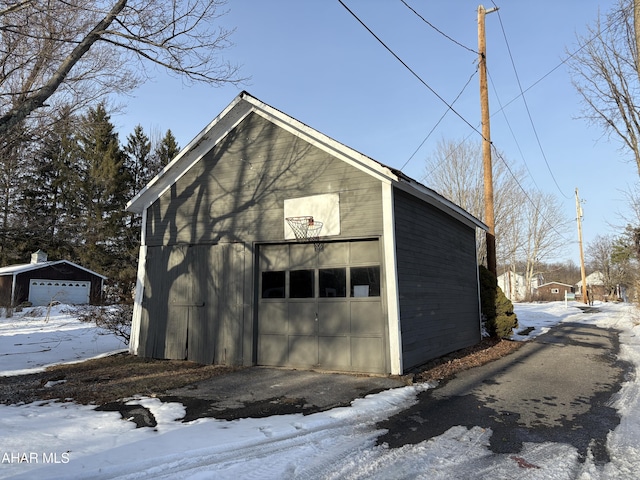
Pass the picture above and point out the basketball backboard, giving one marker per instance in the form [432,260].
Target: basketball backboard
[323,208]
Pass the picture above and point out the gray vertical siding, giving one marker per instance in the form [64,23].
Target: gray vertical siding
[437,281]
[232,197]
[236,192]
[200,290]
[194,305]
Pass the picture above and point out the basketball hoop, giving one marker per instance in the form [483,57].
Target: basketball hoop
[307,229]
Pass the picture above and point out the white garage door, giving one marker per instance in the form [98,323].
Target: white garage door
[43,292]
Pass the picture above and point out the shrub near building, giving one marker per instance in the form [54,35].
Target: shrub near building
[497,310]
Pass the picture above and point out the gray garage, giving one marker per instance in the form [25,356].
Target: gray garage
[225,276]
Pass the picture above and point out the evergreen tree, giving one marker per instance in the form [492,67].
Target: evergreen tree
[15,150]
[103,192]
[65,192]
[499,317]
[139,161]
[165,151]
[51,206]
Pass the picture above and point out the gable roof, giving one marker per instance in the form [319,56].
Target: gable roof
[595,278]
[554,283]
[238,110]
[509,273]
[25,267]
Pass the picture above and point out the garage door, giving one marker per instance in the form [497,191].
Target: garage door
[193,305]
[322,309]
[43,292]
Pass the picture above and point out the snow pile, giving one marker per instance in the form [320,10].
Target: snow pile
[542,316]
[32,340]
[63,440]
[624,441]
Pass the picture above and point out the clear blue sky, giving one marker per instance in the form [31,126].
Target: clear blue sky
[314,61]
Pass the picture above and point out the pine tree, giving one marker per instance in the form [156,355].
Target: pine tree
[166,150]
[15,150]
[51,204]
[139,161]
[65,192]
[104,187]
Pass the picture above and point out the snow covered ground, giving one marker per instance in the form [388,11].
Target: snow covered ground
[65,440]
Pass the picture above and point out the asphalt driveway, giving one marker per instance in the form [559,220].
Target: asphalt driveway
[262,392]
[556,388]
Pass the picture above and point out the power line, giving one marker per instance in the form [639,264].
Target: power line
[526,166]
[410,69]
[437,165]
[450,107]
[569,57]
[439,120]
[438,30]
[527,195]
[513,135]
[526,105]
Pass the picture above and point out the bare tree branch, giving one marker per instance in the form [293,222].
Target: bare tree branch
[605,74]
[66,47]
[15,7]
[36,99]
[455,171]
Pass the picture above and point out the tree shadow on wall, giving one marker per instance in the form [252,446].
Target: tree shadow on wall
[234,194]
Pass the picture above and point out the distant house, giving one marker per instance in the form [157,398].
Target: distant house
[514,285]
[595,285]
[265,242]
[552,291]
[41,282]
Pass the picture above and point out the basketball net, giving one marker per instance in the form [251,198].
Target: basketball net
[307,229]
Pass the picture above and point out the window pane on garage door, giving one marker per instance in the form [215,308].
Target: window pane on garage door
[273,284]
[365,281]
[333,282]
[301,284]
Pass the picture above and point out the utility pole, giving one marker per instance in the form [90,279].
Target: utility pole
[486,142]
[582,271]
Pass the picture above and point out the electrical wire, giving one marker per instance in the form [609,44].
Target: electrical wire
[426,175]
[513,135]
[526,105]
[450,107]
[569,57]
[438,30]
[410,69]
[526,194]
[439,120]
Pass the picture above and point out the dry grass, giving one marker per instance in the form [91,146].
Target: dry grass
[121,376]
[486,351]
[107,379]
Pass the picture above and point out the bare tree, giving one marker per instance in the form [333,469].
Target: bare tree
[544,226]
[605,74]
[79,49]
[609,256]
[455,170]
